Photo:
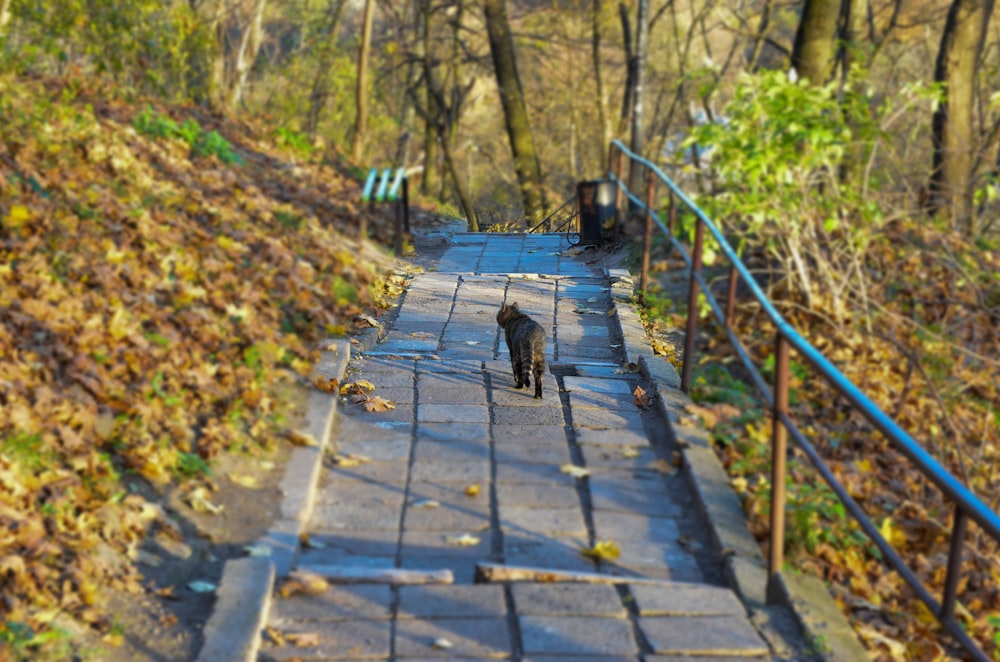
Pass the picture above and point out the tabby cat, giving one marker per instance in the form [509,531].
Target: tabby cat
[526,344]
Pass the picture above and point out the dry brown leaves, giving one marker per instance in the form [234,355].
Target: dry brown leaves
[150,306]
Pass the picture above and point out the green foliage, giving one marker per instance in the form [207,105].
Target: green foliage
[713,383]
[142,44]
[23,643]
[295,141]
[28,450]
[784,161]
[191,465]
[203,144]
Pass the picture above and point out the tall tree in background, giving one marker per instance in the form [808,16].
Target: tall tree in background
[814,53]
[602,95]
[246,56]
[522,143]
[361,119]
[326,48]
[439,105]
[638,143]
[952,178]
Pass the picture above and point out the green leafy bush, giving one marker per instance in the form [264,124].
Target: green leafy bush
[203,144]
[785,167]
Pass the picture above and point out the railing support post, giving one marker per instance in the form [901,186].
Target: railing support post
[647,235]
[731,296]
[619,195]
[672,215]
[954,564]
[692,312]
[779,461]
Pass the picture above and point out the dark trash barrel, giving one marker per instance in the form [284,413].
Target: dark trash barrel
[596,200]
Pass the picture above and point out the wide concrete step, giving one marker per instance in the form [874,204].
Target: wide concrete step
[532,621]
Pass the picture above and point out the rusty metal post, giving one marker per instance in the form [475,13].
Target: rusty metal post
[692,312]
[779,461]
[731,295]
[954,564]
[672,216]
[647,234]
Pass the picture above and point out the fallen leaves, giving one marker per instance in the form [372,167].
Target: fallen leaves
[373,403]
[327,384]
[163,335]
[303,581]
[603,550]
[640,397]
[300,438]
[198,500]
[575,471]
[464,540]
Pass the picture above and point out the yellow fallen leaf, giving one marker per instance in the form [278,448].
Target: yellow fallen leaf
[629,452]
[276,636]
[575,471]
[249,482]
[464,540]
[299,438]
[17,216]
[356,388]
[114,638]
[303,639]
[604,550]
[641,397]
[198,500]
[350,460]
[897,649]
[302,581]
[377,404]
[327,384]
[739,484]
[472,490]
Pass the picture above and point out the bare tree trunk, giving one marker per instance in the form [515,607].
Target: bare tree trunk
[430,185]
[961,45]
[217,67]
[438,114]
[815,41]
[852,53]
[321,83]
[361,96]
[4,17]
[522,142]
[249,47]
[602,95]
[630,64]
[638,142]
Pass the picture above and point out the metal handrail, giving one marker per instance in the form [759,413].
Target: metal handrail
[967,505]
[547,221]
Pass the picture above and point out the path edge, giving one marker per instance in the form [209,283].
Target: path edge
[825,627]
[243,598]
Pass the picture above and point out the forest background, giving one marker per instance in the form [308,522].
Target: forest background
[853,148]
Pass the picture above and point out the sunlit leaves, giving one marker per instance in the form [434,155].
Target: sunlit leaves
[152,313]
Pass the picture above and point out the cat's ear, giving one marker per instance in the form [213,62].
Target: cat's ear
[514,307]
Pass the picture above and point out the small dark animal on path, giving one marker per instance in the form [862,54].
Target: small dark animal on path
[526,344]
